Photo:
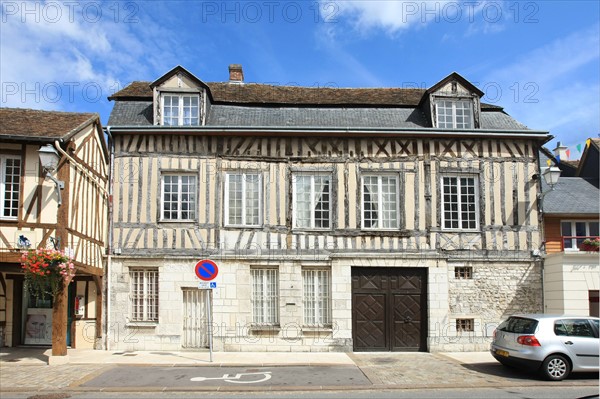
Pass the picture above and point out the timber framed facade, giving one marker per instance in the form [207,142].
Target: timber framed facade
[338,217]
[32,217]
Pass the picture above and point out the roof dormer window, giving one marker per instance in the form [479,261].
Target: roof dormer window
[453,114]
[180,109]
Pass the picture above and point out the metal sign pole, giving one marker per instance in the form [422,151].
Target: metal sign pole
[209,318]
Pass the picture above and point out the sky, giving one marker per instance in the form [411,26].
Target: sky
[540,60]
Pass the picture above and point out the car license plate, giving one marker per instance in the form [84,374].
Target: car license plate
[501,353]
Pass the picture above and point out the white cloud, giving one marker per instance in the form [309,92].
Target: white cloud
[396,16]
[41,51]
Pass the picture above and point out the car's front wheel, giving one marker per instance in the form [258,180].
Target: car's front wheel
[556,368]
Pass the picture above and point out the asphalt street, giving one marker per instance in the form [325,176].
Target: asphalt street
[155,377]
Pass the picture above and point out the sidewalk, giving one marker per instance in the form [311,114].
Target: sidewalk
[384,370]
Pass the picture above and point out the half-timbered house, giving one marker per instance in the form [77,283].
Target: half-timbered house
[339,219]
[60,207]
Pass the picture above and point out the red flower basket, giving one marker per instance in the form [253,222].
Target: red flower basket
[46,270]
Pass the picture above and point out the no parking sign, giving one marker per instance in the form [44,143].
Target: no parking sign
[206,270]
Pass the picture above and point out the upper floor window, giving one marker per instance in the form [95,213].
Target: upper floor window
[178,197]
[575,232]
[242,196]
[180,109]
[380,202]
[10,181]
[459,202]
[312,201]
[454,114]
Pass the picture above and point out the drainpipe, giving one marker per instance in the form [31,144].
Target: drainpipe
[107,280]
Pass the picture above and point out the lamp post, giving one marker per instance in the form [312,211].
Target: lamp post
[49,160]
[551,175]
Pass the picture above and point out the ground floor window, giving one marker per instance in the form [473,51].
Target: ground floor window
[144,294]
[265,296]
[317,297]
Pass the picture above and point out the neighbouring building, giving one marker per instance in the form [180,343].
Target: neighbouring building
[571,211]
[64,207]
[383,219]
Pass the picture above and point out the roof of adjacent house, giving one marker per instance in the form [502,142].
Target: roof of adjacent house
[21,123]
[572,196]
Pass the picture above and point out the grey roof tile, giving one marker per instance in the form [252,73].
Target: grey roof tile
[572,196]
[139,113]
[131,113]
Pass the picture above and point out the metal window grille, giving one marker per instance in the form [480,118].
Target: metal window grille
[463,273]
[179,197]
[380,202]
[465,325]
[144,294]
[460,202]
[317,297]
[10,174]
[265,296]
[312,200]
[243,199]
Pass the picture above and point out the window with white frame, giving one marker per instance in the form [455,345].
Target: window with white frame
[178,197]
[459,202]
[144,294]
[265,296]
[312,201]
[242,199]
[180,109]
[380,202]
[575,232]
[10,179]
[452,114]
[317,297]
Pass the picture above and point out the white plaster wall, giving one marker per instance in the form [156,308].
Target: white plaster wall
[568,278]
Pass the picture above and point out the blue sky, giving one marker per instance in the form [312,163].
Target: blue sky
[540,60]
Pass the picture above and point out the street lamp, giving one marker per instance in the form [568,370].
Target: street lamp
[551,176]
[49,159]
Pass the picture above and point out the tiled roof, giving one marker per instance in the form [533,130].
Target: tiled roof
[20,122]
[139,113]
[131,113]
[253,93]
[572,196]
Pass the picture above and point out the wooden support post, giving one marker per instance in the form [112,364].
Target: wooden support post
[61,301]
[59,322]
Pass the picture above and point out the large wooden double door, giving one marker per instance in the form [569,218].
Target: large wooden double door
[389,309]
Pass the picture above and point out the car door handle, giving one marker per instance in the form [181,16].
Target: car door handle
[568,343]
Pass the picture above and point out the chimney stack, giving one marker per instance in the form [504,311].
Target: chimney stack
[236,74]
[561,151]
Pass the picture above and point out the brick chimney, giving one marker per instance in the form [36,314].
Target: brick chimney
[561,151]
[236,74]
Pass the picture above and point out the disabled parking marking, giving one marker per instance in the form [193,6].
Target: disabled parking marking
[236,379]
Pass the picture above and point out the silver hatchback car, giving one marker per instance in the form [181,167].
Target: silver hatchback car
[555,345]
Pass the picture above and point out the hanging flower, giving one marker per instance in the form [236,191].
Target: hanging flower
[590,244]
[46,270]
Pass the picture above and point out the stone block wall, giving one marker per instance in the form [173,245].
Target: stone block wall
[495,291]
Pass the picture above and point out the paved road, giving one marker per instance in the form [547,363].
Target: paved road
[448,393]
[152,378]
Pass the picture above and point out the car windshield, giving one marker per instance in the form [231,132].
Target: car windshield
[518,325]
